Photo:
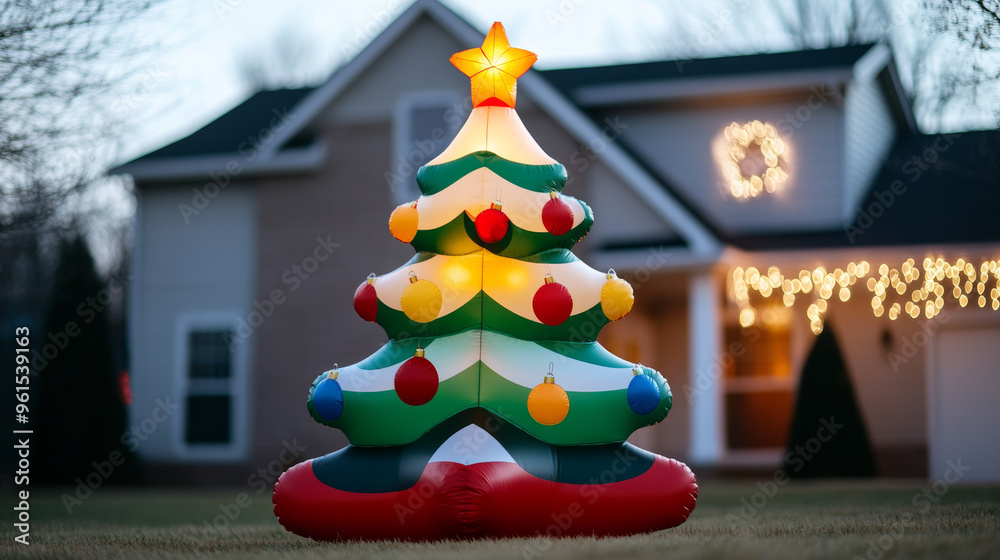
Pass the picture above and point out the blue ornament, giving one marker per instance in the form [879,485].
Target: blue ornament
[643,394]
[328,398]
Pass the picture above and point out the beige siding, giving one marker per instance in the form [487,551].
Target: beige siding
[183,271]
[870,132]
[418,61]
[656,334]
[316,327]
[619,214]
[677,141]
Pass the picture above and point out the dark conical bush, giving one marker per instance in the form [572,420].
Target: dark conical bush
[80,415]
[827,410]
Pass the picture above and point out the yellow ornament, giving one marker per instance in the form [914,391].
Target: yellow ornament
[616,297]
[421,300]
[403,222]
[548,403]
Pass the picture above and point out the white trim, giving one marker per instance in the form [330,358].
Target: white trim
[705,379]
[654,259]
[134,299]
[686,88]
[314,103]
[699,238]
[899,96]
[236,450]
[295,160]
[732,256]
[870,64]
[752,458]
[931,383]
[402,134]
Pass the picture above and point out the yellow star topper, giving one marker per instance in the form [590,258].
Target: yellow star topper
[494,68]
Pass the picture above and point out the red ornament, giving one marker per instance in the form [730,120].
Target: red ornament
[416,380]
[557,216]
[492,223]
[552,303]
[365,299]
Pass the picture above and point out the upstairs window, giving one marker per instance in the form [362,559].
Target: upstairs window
[423,125]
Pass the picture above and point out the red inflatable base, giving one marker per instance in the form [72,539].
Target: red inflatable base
[494,499]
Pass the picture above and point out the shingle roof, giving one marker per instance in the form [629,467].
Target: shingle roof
[954,200]
[226,133]
[947,190]
[569,79]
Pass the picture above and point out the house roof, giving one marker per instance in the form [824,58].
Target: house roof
[932,189]
[225,134]
[273,156]
[968,166]
[568,80]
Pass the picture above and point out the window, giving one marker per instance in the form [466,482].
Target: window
[423,126]
[759,385]
[211,384]
[208,410]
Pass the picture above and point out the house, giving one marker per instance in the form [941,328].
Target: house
[252,234]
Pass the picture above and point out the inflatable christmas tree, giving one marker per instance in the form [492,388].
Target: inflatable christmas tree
[492,411]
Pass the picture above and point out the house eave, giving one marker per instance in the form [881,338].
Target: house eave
[702,87]
[841,255]
[697,234]
[287,162]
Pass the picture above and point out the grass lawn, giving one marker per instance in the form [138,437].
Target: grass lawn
[872,519]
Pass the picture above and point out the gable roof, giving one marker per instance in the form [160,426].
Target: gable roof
[697,237]
[569,80]
[742,74]
[226,133]
[947,191]
[969,166]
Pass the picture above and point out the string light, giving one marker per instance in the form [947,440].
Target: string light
[925,282]
[754,135]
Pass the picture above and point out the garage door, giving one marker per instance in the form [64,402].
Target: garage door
[965,403]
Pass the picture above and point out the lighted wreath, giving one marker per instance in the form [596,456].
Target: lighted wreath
[756,159]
